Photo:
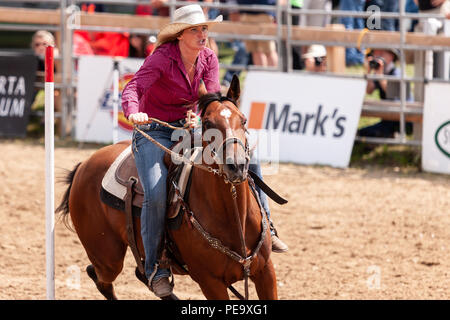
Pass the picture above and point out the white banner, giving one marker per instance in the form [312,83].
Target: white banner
[306,119]
[95,98]
[436,128]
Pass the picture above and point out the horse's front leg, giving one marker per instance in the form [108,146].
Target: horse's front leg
[266,282]
[214,289]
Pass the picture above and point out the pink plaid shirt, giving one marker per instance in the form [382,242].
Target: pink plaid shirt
[161,88]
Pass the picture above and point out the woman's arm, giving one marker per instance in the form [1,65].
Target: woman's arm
[211,74]
[149,72]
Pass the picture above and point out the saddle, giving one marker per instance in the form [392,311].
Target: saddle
[122,190]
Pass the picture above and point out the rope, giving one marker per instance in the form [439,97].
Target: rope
[176,155]
[360,37]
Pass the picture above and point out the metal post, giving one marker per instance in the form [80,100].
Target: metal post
[116,102]
[171,9]
[288,37]
[402,5]
[64,60]
[279,35]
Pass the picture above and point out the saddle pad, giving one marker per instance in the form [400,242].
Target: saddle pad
[112,186]
[109,182]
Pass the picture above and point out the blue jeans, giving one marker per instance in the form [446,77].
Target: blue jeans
[256,168]
[152,172]
[352,55]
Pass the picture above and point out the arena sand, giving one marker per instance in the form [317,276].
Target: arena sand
[352,233]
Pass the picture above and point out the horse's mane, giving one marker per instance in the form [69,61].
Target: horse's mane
[208,98]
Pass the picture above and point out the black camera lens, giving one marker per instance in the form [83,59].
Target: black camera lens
[374,64]
[318,61]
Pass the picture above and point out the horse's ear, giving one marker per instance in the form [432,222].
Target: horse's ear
[201,89]
[234,91]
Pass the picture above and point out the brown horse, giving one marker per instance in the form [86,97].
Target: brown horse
[102,229]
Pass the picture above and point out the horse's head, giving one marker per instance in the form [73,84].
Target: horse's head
[223,124]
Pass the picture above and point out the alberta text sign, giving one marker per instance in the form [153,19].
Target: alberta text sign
[17,76]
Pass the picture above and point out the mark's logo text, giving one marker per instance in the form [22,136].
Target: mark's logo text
[318,123]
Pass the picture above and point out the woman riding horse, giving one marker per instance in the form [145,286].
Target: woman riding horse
[165,88]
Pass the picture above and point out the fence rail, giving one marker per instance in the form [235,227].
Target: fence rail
[65,21]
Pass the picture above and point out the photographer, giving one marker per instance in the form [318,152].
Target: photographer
[315,59]
[382,62]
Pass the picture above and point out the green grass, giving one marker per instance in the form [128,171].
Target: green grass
[406,159]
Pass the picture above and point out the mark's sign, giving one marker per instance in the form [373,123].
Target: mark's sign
[308,119]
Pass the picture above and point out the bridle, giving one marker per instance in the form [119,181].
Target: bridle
[218,157]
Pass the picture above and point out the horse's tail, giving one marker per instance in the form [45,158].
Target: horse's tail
[63,207]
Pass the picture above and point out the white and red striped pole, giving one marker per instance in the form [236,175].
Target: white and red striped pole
[49,172]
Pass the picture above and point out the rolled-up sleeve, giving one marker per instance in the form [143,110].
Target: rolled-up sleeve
[143,79]
[211,75]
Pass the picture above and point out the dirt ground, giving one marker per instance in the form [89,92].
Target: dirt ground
[353,234]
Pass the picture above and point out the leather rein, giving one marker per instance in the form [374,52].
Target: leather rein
[215,243]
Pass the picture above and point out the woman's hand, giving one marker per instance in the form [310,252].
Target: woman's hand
[191,119]
[138,118]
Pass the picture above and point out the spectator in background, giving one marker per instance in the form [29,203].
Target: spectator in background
[140,46]
[39,41]
[315,59]
[434,6]
[433,26]
[353,56]
[411,7]
[263,52]
[101,43]
[241,56]
[297,62]
[382,62]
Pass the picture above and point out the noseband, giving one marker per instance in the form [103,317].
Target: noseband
[218,156]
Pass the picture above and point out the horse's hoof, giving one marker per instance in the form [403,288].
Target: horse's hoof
[91,273]
[170,297]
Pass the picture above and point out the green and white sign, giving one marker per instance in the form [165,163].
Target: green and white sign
[436,128]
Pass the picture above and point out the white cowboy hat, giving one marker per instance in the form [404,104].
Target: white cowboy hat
[184,17]
[315,51]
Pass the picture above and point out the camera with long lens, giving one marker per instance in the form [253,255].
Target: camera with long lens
[318,61]
[375,64]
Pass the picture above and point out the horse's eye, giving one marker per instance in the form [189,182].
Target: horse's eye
[244,122]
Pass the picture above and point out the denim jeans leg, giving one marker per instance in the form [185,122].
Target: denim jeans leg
[352,55]
[240,58]
[255,166]
[152,173]
[389,6]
